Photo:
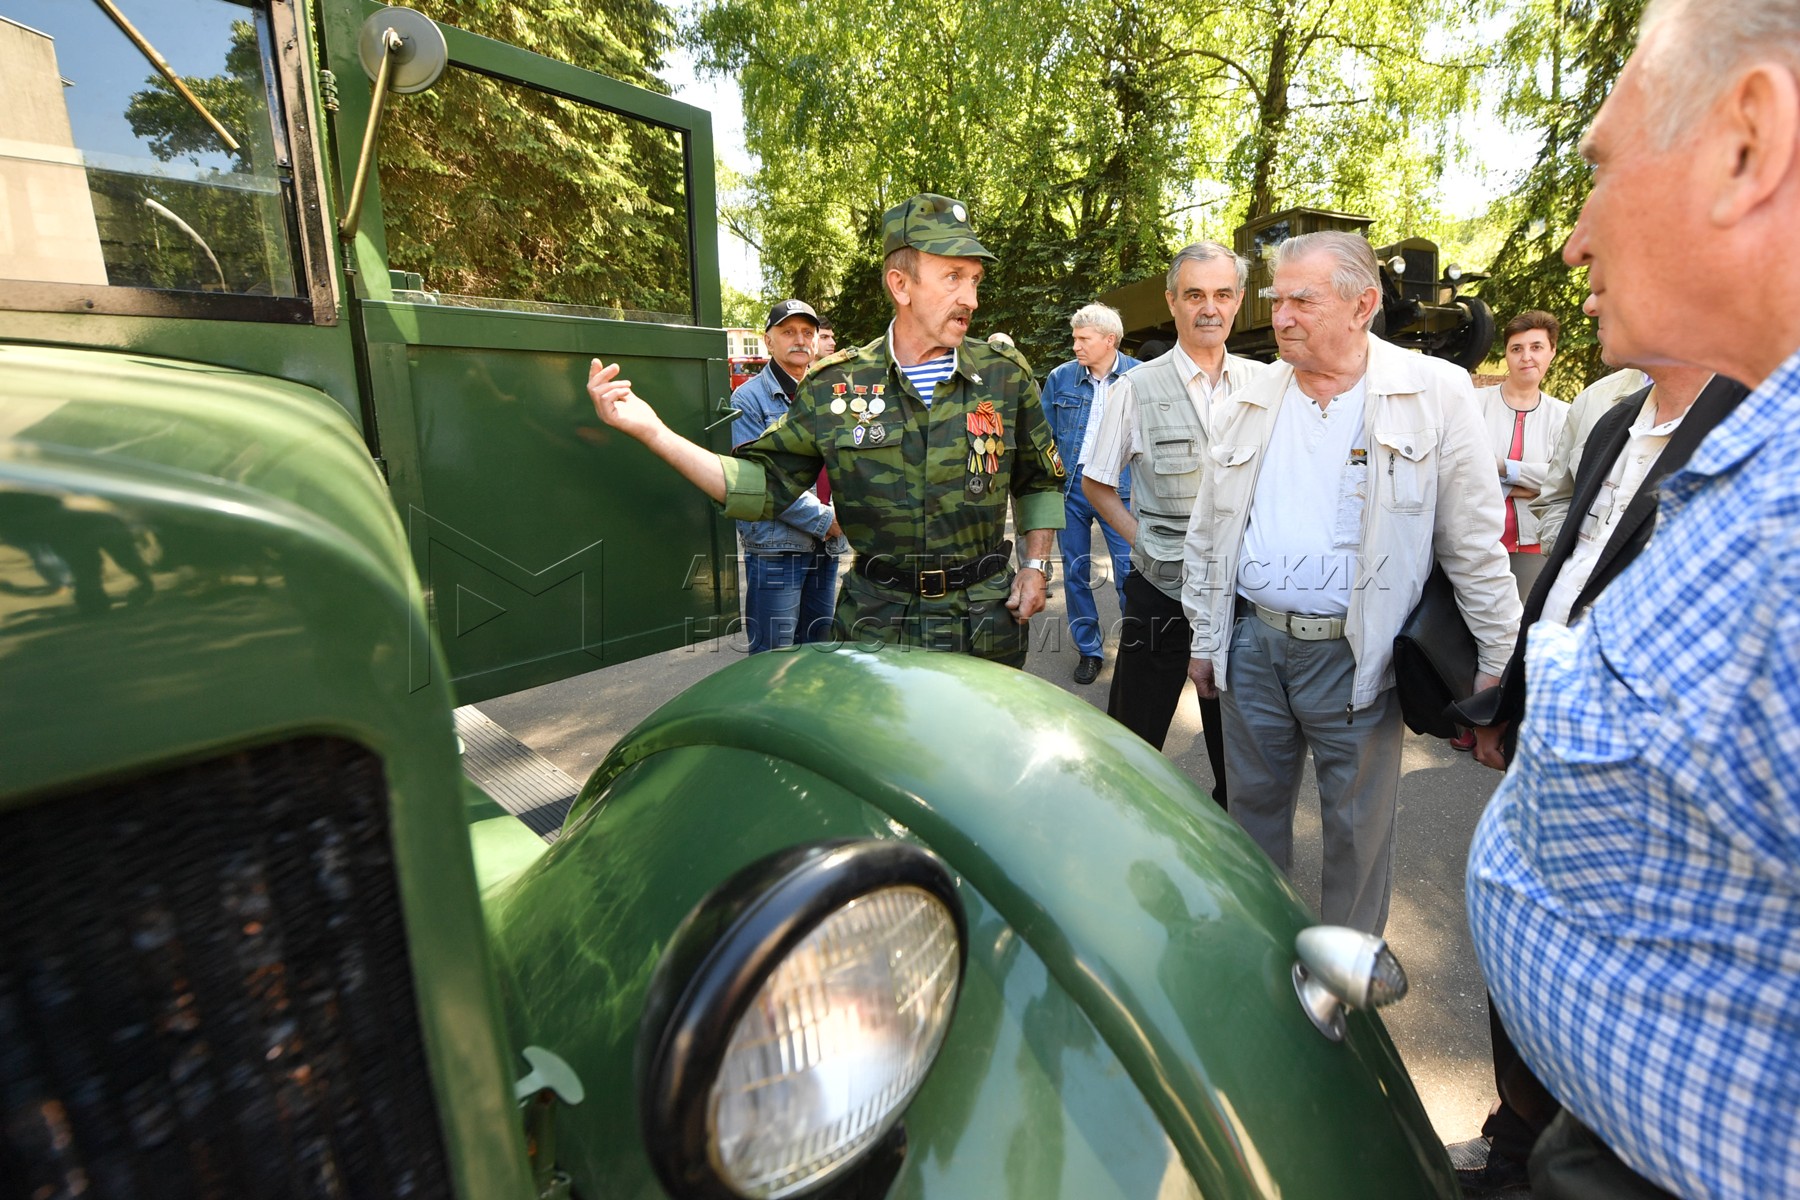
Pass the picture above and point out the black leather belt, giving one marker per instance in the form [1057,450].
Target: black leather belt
[932,585]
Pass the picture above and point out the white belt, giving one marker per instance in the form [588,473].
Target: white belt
[1297,626]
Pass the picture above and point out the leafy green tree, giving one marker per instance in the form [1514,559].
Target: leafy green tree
[1090,137]
[625,39]
[489,189]
[1331,102]
[741,309]
[1058,125]
[497,190]
[172,129]
[1563,57]
[243,228]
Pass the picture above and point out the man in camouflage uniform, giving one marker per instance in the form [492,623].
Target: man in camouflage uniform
[926,438]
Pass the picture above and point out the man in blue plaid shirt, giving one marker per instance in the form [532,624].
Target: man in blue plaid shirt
[1634,886]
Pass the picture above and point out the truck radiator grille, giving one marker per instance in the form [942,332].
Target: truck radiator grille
[205,989]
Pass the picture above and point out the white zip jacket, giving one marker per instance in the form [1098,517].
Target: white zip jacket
[1432,490]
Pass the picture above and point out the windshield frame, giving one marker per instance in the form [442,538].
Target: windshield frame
[287,53]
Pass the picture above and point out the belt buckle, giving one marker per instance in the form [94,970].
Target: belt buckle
[943,585]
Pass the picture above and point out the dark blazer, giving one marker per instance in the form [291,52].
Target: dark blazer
[1506,702]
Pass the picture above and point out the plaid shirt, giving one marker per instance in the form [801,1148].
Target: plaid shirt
[1634,886]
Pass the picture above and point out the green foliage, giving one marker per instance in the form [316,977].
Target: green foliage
[494,189]
[1089,137]
[625,39]
[237,98]
[1563,56]
[1332,102]
[741,309]
[243,228]
[1056,124]
[488,188]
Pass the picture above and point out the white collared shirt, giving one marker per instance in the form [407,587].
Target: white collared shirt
[1305,524]
[1113,443]
[1102,384]
[1642,448]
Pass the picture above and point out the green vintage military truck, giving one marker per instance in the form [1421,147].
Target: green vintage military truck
[1422,304]
[296,302]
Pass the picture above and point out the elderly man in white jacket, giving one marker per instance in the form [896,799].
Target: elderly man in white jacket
[1334,482]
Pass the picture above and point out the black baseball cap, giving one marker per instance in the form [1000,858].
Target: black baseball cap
[790,308]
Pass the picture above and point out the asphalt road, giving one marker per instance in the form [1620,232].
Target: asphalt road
[1441,1026]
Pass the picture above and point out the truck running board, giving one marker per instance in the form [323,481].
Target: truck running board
[516,777]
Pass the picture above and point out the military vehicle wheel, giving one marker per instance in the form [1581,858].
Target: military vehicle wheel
[1468,347]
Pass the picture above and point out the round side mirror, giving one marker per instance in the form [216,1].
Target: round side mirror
[419,58]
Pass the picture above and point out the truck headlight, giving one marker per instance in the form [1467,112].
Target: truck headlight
[795,1013]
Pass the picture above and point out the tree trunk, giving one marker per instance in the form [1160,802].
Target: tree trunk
[1272,115]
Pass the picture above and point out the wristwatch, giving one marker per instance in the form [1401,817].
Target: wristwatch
[1040,565]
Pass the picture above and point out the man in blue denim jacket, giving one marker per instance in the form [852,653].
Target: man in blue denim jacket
[1074,397]
[790,562]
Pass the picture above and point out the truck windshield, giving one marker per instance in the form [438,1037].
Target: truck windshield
[110,176]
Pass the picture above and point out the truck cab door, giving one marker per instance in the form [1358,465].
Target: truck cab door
[525,218]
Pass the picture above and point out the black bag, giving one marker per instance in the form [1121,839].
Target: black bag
[1434,659]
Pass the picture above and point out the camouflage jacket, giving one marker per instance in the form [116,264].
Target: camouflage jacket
[910,483]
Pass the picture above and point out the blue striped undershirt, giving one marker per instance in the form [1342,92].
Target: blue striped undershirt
[926,375]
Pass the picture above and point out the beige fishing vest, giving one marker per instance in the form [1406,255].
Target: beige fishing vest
[1173,441]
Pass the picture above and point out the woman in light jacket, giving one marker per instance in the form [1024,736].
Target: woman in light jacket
[1523,424]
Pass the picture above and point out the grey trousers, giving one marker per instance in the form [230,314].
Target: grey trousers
[1286,695]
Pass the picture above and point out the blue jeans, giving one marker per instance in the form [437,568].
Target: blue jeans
[1077,548]
[788,598]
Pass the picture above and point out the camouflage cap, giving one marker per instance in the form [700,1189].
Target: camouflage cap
[934,224]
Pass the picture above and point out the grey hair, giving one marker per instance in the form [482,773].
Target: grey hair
[1714,40]
[1207,252]
[1103,317]
[1353,268]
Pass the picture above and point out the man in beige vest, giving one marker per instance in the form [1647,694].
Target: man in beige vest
[1156,421]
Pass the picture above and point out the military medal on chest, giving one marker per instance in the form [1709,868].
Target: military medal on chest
[877,406]
[866,402]
[986,445]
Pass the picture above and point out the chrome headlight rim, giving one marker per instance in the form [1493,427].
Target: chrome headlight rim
[717,963]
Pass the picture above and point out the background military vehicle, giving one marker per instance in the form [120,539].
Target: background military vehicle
[295,460]
[1421,307]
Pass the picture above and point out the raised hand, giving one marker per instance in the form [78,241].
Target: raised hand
[618,405]
[621,408]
